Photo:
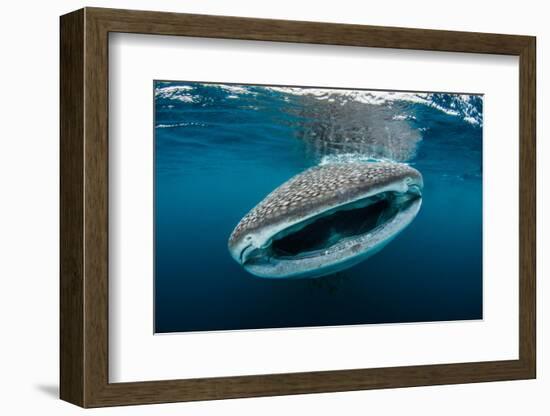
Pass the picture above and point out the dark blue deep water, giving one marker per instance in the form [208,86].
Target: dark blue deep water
[220,149]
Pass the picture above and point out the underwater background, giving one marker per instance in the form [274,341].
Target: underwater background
[221,148]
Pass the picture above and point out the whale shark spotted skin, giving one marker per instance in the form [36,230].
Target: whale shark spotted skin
[327,219]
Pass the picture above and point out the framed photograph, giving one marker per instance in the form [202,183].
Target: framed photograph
[257,207]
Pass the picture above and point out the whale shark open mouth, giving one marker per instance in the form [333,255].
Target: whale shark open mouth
[345,223]
[327,219]
[348,221]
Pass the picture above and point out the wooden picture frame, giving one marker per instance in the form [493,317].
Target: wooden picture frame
[84,207]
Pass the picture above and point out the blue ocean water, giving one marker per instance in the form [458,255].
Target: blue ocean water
[220,149]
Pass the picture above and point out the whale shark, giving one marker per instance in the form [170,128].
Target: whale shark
[327,219]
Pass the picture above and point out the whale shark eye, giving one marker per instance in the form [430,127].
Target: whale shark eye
[248,238]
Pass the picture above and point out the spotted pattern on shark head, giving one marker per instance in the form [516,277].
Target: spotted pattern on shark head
[320,185]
